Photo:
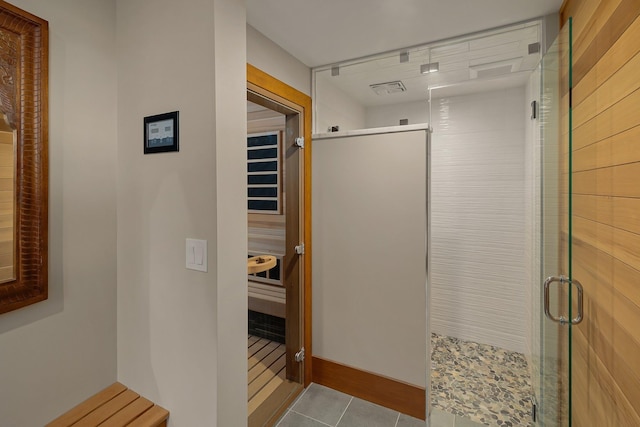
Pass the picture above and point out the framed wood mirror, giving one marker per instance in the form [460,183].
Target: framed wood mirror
[24,172]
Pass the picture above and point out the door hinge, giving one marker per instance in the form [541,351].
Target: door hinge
[534,410]
[300,355]
[300,249]
[300,141]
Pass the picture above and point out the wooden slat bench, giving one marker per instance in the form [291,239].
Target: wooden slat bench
[115,406]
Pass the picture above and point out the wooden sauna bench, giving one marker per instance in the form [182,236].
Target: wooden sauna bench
[115,406]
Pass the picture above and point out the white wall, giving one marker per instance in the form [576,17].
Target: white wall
[56,353]
[182,333]
[369,252]
[478,289]
[390,115]
[275,61]
[333,107]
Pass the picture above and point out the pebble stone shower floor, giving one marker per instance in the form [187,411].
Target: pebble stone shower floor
[486,384]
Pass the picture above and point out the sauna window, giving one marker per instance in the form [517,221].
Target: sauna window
[264,194]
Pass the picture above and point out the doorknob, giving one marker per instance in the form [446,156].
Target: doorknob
[561,319]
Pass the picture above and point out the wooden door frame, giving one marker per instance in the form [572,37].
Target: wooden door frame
[270,85]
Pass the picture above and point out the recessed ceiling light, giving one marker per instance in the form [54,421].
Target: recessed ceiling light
[429,68]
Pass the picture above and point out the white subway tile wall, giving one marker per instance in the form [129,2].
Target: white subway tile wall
[478,218]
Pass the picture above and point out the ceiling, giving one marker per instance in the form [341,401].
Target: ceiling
[321,32]
[486,61]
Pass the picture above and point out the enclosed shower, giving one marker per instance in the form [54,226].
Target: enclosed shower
[477,99]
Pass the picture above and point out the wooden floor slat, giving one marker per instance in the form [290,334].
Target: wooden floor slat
[266,376]
[266,369]
[265,363]
[266,391]
[256,347]
[262,354]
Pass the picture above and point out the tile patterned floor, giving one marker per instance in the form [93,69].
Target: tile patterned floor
[480,382]
[320,406]
[473,385]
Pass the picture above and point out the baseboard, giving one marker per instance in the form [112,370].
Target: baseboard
[393,394]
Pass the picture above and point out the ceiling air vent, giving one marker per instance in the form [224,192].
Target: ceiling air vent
[387,88]
[493,69]
[493,72]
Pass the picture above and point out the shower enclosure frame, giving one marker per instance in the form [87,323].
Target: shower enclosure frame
[549,30]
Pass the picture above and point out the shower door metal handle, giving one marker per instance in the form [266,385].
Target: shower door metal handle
[562,280]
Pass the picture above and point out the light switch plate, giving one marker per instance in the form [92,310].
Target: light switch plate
[196,255]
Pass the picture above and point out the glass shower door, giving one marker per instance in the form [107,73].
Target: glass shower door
[554,316]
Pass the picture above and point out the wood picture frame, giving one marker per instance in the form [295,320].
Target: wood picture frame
[161,133]
[24,70]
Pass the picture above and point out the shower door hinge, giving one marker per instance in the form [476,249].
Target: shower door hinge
[300,355]
[300,249]
[300,141]
[534,409]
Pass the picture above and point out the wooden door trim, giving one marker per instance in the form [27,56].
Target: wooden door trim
[271,85]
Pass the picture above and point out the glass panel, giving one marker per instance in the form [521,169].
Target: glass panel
[275,295]
[292,262]
[391,89]
[552,364]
